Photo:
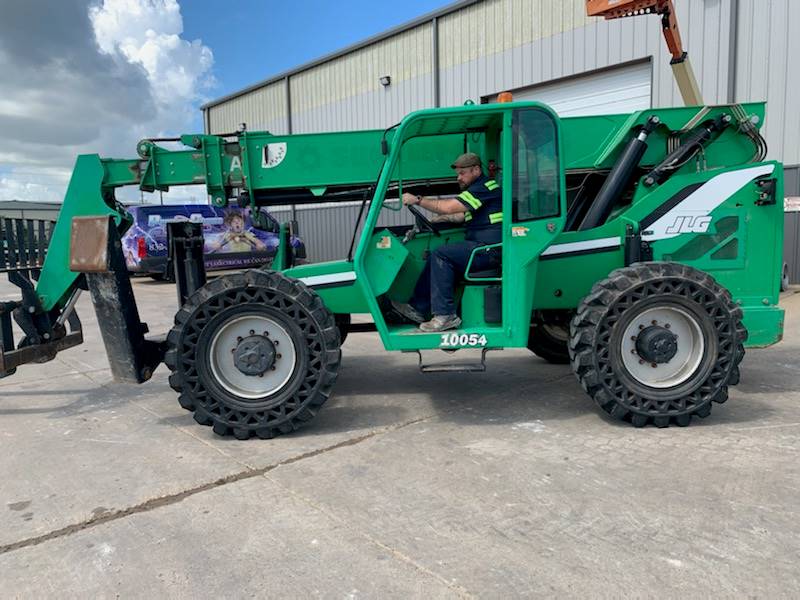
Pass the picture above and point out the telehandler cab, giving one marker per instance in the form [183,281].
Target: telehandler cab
[645,249]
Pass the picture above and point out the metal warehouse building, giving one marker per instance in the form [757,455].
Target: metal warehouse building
[548,50]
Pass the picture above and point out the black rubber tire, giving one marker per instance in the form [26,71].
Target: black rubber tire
[599,324]
[299,310]
[544,344]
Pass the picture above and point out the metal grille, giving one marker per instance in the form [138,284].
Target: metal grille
[25,243]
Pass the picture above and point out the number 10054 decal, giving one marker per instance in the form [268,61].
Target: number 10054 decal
[452,340]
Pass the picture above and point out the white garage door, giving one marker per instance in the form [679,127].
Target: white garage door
[621,90]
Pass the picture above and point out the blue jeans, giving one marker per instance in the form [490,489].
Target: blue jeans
[445,267]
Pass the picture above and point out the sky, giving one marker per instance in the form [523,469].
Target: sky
[96,76]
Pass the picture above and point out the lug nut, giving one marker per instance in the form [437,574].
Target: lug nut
[633,351]
[654,322]
[633,338]
[654,365]
[272,368]
[238,338]
[275,342]
[278,356]
[252,332]
[641,362]
[667,325]
[266,334]
[641,327]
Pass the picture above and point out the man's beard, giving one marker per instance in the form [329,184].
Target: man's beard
[462,186]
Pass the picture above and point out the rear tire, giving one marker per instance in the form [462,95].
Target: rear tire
[549,337]
[253,353]
[657,343]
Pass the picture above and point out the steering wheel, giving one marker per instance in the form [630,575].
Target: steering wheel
[423,222]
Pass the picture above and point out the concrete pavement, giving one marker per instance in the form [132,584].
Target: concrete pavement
[507,483]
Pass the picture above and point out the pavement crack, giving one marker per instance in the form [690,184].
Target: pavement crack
[395,553]
[155,503]
[196,437]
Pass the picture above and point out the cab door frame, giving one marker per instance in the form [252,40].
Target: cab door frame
[527,235]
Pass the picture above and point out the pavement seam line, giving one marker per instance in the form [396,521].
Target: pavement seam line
[177,497]
[193,435]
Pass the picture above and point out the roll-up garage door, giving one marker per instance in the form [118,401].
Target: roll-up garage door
[619,90]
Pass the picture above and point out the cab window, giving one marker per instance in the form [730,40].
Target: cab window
[536,193]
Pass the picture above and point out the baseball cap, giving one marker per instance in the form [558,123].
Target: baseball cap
[468,159]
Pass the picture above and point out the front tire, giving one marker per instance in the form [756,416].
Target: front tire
[253,353]
[657,342]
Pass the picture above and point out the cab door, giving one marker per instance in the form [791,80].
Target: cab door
[534,197]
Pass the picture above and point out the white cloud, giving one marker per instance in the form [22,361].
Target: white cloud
[103,76]
[177,69]
[16,189]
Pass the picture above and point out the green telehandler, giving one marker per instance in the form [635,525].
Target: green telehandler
[644,249]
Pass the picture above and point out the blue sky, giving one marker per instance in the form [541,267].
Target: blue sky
[253,40]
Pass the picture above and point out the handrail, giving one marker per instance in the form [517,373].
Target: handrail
[467,276]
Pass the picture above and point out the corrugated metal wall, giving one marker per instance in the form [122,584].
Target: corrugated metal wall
[345,93]
[263,109]
[791,181]
[768,44]
[506,44]
[791,245]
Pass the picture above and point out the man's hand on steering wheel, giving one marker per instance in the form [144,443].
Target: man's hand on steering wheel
[423,223]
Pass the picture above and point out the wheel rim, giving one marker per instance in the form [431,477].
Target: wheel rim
[227,345]
[681,365]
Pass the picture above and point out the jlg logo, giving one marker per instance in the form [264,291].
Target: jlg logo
[689,225]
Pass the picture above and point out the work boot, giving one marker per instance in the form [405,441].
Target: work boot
[408,311]
[441,323]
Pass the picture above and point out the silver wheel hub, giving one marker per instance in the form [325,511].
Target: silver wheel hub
[663,347]
[252,356]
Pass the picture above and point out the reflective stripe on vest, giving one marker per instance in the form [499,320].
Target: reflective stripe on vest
[491,185]
[496,218]
[470,199]
[467,216]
